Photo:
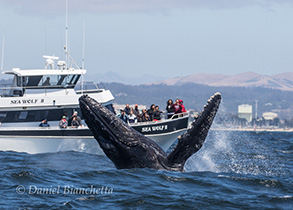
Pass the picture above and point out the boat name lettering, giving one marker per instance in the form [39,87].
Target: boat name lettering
[154,128]
[27,101]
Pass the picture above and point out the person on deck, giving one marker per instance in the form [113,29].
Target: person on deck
[127,109]
[157,113]
[177,107]
[182,106]
[63,122]
[122,116]
[136,110]
[44,123]
[74,122]
[170,109]
[151,112]
[131,118]
[75,114]
[145,117]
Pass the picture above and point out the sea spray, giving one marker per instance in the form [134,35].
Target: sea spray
[216,144]
[88,145]
[236,152]
[210,157]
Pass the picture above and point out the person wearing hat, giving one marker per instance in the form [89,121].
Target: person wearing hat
[136,110]
[74,122]
[78,119]
[63,122]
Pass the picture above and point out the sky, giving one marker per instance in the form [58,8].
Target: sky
[159,38]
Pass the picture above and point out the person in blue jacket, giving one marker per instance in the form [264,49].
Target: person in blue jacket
[44,123]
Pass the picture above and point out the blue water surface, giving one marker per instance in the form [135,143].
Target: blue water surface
[233,170]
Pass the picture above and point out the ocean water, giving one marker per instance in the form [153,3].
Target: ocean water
[233,170]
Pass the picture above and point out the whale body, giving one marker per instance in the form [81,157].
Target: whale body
[127,148]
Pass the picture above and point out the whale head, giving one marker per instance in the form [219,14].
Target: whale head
[126,147]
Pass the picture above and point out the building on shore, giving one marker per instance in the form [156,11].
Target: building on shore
[245,112]
[269,115]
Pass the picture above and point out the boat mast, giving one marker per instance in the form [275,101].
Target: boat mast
[82,62]
[83,44]
[66,35]
[2,56]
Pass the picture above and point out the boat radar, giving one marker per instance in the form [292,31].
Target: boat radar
[50,62]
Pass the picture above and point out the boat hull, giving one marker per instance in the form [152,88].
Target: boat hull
[53,139]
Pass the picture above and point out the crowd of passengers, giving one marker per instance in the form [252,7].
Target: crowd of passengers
[74,121]
[133,115]
[128,114]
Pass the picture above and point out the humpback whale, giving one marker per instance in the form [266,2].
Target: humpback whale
[127,148]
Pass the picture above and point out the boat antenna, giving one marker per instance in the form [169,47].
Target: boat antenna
[2,56]
[82,62]
[83,44]
[66,34]
[45,44]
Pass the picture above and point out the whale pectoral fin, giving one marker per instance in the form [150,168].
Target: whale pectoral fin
[190,142]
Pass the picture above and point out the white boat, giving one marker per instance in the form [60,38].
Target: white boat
[31,98]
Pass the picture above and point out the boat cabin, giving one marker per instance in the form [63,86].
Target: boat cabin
[34,80]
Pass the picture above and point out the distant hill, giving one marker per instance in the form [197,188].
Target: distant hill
[195,96]
[282,81]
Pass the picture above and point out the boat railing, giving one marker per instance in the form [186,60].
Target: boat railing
[87,87]
[183,114]
[163,119]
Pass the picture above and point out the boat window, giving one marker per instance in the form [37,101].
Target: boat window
[22,81]
[12,117]
[68,112]
[33,80]
[55,114]
[62,77]
[33,115]
[49,80]
[22,115]
[67,80]
[39,115]
[70,82]
[76,80]
[2,116]
[87,86]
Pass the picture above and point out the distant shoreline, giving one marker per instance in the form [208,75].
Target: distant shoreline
[255,129]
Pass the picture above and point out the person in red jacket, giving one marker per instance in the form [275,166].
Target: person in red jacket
[182,106]
[177,107]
